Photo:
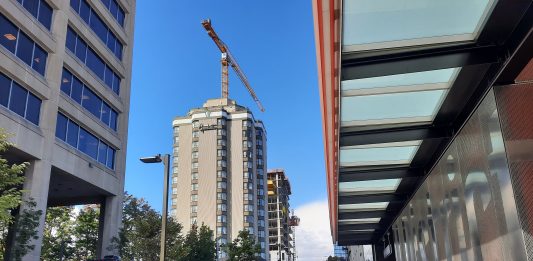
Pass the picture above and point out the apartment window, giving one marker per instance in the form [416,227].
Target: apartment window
[84,141]
[194,176]
[175,170]
[260,152]
[261,223]
[18,43]
[260,172]
[176,149]
[89,57]
[83,95]
[261,202]
[247,175]
[174,201]
[247,144]
[250,230]
[246,123]
[221,121]
[260,192]
[116,11]
[175,180]
[221,132]
[221,153]
[176,140]
[176,130]
[40,10]
[98,26]
[221,231]
[194,186]
[260,142]
[248,196]
[247,164]
[221,218]
[261,234]
[261,213]
[175,160]
[194,197]
[195,134]
[221,163]
[195,155]
[221,196]
[221,185]
[19,100]
[249,218]
[221,207]
[194,220]
[221,142]
[259,162]
[194,165]
[222,241]
[195,124]
[261,182]
[195,144]
[248,185]
[194,209]
[174,191]
[221,174]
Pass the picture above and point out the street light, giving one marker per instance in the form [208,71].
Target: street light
[166,161]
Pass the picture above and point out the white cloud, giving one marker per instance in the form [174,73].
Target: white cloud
[313,236]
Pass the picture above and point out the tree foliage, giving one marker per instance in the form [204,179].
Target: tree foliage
[85,232]
[243,248]
[57,235]
[199,245]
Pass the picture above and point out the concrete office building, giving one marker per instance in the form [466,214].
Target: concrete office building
[280,230]
[65,70]
[427,126]
[219,171]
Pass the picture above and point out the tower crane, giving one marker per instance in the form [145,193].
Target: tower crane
[228,59]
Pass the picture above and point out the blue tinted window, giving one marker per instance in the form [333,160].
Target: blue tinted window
[99,27]
[39,59]
[106,110]
[71,40]
[72,133]
[32,6]
[8,34]
[81,49]
[17,101]
[85,11]
[45,14]
[33,109]
[25,48]
[5,87]
[111,40]
[116,84]
[116,11]
[88,143]
[110,158]
[108,77]
[106,3]
[113,120]
[118,50]
[91,102]
[77,88]
[113,8]
[102,152]
[95,63]
[121,16]
[61,127]
[75,4]
[66,82]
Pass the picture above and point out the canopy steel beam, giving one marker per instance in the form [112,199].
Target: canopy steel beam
[397,173]
[392,135]
[358,199]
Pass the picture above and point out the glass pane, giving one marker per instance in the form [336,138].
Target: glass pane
[33,109]
[75,4]
[111,39]
[25,48]
[102,152]
[106,3]
[5,87]
[369,186]
[118,50]
[363,206]
[61,127]
[85,11]
[39,59]
[113,8]
[99,27]
[17,102]
[110,158]
[120,17]
[91,102]
[66,82]
[395,23]
[116,84]
[8,34]
[105,115]
[113,120]
[72,134]
[108,76]
[81,49]
[95,63]
[88,143]
[386,153]
[77,88]
[391,108]
[71,40]
[45,14]
[407,79]
[32,6]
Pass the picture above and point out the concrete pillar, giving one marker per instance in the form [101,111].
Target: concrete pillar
[36,186]
[110,223]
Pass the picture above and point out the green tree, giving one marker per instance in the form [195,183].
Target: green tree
[25,228]
[333,258]
[57,234]
[243,248]
[199,245]
[85,232]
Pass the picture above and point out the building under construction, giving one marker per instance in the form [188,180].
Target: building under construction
[281,223]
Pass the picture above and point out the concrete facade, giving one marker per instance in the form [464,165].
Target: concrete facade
[219,171]
[60,174]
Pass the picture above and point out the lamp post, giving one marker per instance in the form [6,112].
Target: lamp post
[166,162]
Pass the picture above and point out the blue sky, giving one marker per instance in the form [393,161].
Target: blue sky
[176,67]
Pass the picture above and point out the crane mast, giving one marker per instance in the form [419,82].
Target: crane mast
[228,60]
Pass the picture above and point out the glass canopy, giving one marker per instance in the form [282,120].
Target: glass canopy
[369,186]
[371,24]
[363,207]
[379,154]
[359,221]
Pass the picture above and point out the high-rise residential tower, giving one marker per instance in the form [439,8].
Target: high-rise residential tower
[280,227]
[65,71]
[219,175]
